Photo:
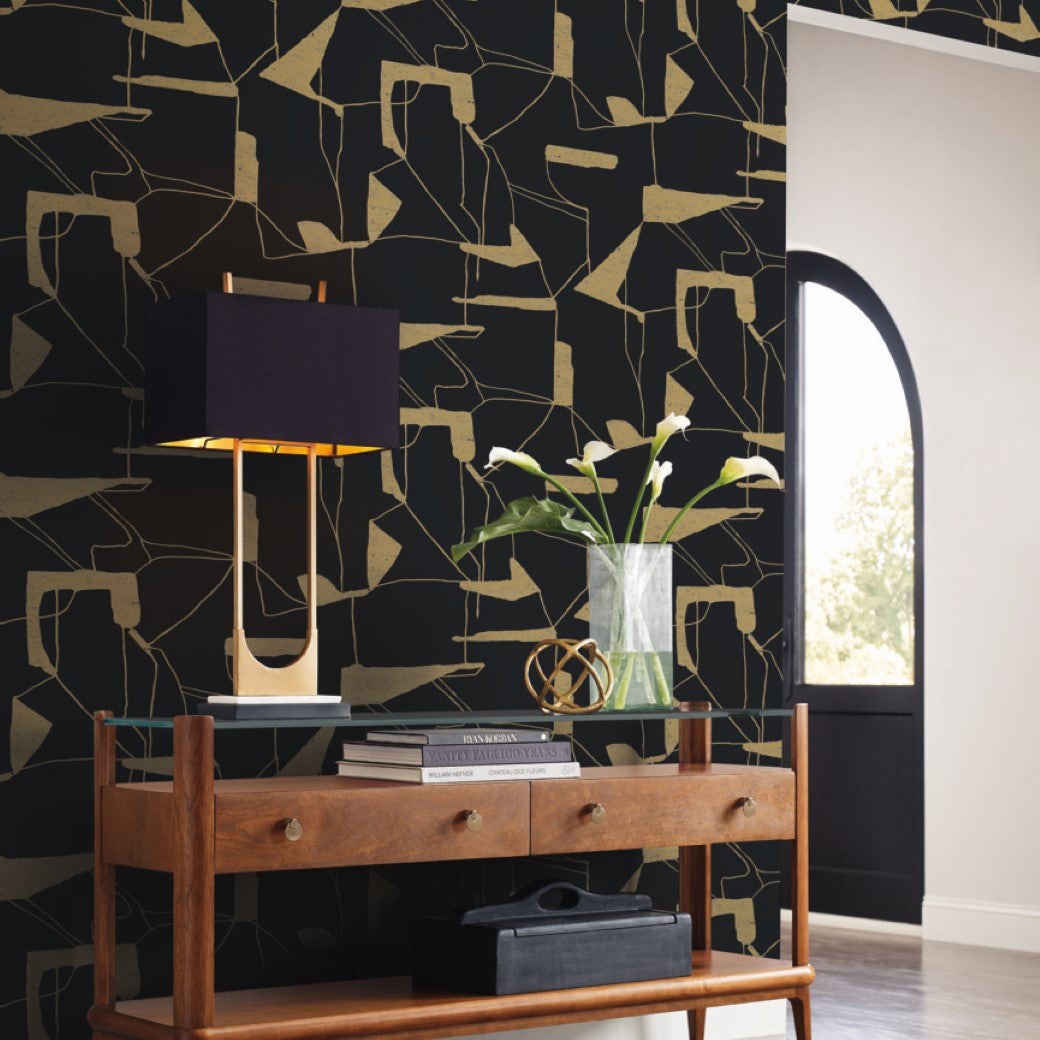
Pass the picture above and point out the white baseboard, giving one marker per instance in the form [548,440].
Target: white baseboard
[764,1018]
[1002,925]
[856,924]
[737,1021]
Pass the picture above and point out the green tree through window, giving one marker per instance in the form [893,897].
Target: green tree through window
[859,598]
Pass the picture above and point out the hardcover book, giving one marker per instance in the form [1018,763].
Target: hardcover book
[460,774]
[457,754]
[458,736]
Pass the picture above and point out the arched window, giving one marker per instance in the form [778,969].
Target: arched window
[857,463]
[854,587]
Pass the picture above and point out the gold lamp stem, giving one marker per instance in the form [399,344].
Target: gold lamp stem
[251,678]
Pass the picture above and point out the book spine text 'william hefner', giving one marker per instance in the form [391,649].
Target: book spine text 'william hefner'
[531,771]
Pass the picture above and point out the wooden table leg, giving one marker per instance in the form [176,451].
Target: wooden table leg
[695,861]
[800,864]
[104,873]
[696,1020]
[802,1018]
[193,926]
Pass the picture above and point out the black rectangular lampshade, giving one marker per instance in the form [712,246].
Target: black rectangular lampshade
[222,366]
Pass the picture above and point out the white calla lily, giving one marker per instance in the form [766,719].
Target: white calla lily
[595,451]
[530,465]
[658,472]
[756,466]
[670,424]
[516,458]
[734,469]
[655,480]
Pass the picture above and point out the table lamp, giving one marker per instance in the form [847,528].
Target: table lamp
[238,373]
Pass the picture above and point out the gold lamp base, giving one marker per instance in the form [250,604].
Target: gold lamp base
[296,682]
[252,678]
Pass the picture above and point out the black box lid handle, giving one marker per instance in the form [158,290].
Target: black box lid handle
[546,899]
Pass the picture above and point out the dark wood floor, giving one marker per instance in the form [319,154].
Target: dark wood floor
[871,986]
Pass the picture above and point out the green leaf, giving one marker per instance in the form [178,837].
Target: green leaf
[529,514]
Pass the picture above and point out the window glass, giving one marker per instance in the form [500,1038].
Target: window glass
[858,481]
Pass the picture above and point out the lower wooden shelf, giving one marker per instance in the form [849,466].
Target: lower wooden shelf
[380,1009]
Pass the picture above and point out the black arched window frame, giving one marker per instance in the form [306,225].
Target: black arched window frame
[803,267]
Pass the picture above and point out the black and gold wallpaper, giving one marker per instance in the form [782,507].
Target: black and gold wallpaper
[578,209]
[1012,25]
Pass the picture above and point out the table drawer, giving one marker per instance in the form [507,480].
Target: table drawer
[381,822]
[644,812]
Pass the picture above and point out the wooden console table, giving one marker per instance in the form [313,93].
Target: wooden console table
[194,828]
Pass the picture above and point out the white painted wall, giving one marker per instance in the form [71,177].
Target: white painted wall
[921,171]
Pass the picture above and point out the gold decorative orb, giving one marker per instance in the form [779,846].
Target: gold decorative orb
[582,652]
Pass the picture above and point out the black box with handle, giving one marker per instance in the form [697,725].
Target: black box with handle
[551,935]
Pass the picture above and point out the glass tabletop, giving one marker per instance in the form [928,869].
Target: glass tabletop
[366,718]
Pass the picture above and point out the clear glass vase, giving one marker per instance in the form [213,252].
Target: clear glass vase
[630,617]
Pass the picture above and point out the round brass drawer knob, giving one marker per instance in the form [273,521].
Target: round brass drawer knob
[749,805]
[598,812]
[474,821]
[293,829]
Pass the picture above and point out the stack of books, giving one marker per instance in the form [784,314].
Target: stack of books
[448,756]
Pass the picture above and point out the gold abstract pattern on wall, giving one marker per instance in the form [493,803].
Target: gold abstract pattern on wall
[578,211]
